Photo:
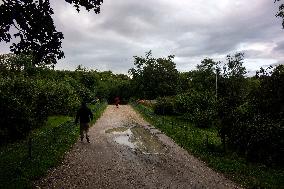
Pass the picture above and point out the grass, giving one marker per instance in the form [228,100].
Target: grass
[49,144]
[206,145]
[97,110]
[55,121]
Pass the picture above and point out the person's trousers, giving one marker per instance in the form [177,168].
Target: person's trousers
[84,128]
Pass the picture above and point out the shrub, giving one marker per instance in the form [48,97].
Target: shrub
[255,128]
[18,113]
[260,139]
[57,98]
[26,103]
[164,106]
[198,107]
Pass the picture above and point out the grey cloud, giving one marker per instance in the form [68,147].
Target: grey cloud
[254,54]
[134,19]
[192,30]
[223,36]
[280,47]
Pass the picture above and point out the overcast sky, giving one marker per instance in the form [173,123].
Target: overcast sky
[189,29]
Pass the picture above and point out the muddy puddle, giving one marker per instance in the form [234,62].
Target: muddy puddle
[137,138]
[117,130]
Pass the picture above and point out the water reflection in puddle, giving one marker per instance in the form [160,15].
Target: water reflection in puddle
[137,138]
[123,138]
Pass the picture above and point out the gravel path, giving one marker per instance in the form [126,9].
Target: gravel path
[109,161]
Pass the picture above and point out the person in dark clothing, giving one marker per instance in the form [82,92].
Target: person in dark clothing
[116,101]
[85,115]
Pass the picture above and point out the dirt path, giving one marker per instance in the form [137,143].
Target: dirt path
[123,154]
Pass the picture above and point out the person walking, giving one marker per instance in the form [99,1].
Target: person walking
[116,101]
[85,115]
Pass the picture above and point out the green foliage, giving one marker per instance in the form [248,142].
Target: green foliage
[206,144]
[26,103]
[28,94]
[248,112]
[268,98]
[14,62]
[111,85]
[197,101]
[58,98]
[164,106]
[97,109]
[184,82]
[234,68]
[197,107]
[258,127]
[152,78]
[19,111]
[204,78]
[260,138]
[49,144]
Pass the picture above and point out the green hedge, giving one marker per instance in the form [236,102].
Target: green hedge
[26,103]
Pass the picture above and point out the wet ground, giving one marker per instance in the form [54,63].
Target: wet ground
[126,152]
[138,139]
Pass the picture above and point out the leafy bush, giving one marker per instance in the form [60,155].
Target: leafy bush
[18,108]
[255,128]
[164,106]
[262,139]
[29,94]
[26,103]
[57,98]
[198,107]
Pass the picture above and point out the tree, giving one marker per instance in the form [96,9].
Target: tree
[269,96]
[154,77]
[281,12]
[232,93]
[14,62]
[232,83]
[184,82]
[35,27]
[255,125]
[198,102]
[234,66]
[204,78]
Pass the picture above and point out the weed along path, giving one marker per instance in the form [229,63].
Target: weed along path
[125,152]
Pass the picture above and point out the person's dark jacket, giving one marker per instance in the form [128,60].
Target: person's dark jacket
[84,114]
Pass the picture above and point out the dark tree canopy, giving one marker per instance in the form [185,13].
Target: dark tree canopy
[280,13]
[154,77]
[35,27]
